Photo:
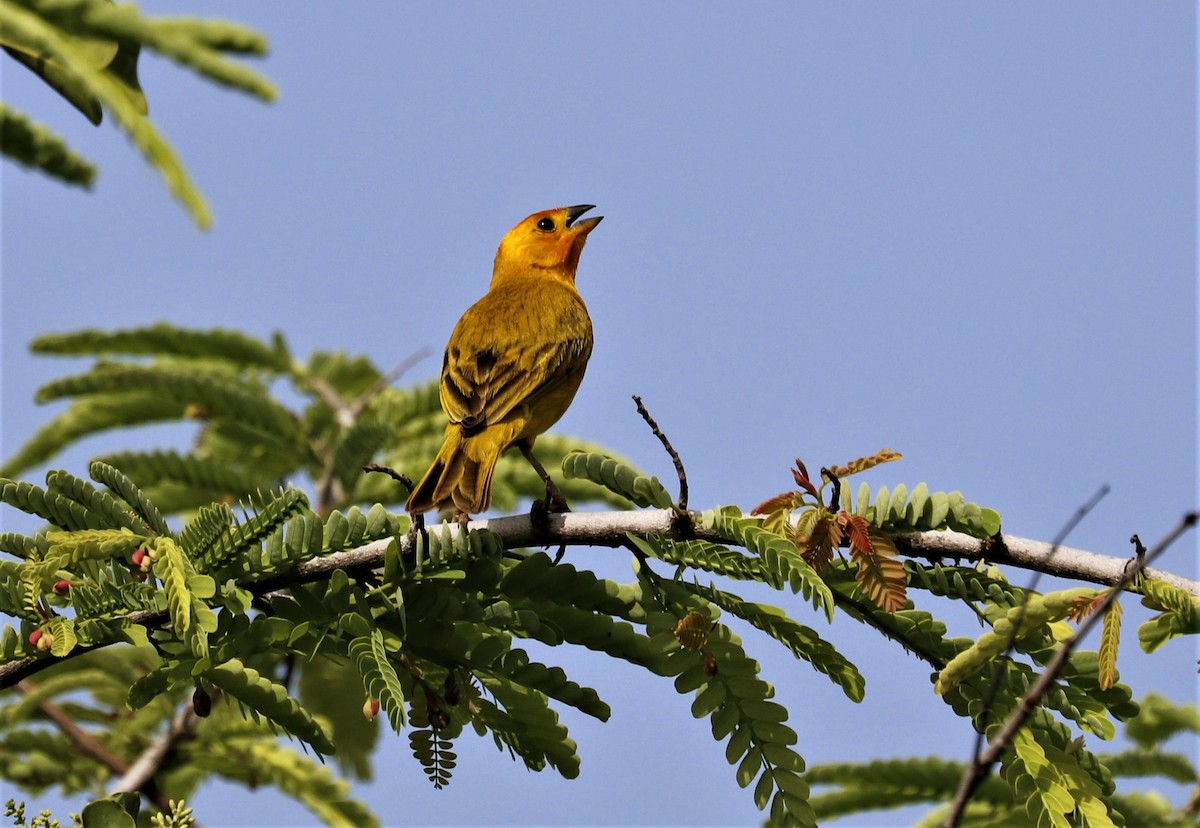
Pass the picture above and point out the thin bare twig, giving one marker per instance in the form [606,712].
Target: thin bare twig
[345,412]
[79,737]
[662,438]
[152,759]
[387,379]
[994,685]
[89,745]
[403,479]
[981,767]
[330,490]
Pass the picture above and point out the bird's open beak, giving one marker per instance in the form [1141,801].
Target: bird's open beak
[586,225]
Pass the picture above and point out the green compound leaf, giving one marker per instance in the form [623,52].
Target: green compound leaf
[617,477]
[103,511]
[523,719]
[89,415]
[54,507]
[269,700]
[63,630]
[1038,611]
[234,347]
[551,681]
[206,479]
[124,488]
[737,703]
[32,145]
[1179,614]
[780,560]
[248,758]
[220,393]
[804,642]
[379,676]
[271,511]
[922,510]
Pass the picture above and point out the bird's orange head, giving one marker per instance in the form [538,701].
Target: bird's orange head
[547,242]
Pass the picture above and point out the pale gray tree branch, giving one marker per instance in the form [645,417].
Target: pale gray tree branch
[609,529]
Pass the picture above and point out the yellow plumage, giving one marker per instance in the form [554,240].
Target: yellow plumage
[514,361]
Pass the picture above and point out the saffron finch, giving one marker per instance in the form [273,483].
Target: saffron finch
[514,360]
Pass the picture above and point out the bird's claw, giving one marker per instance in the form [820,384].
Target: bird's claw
[556,503]
[539,514]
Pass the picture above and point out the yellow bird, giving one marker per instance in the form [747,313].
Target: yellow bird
[514,361]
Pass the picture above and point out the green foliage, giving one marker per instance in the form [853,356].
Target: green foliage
[779,559]
[738,704]
[804,642]
[32,145]
[270,700]
[244,755]
[370,657]
[87,51]
[1041,783]
[124,488]
[921,510]
[617,477]
[1159,720]
[232,348]
[1179,614]
[237,597]
[884,784]
[1018,622]
[44,819]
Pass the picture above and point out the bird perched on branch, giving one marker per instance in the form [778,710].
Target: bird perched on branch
[514,362]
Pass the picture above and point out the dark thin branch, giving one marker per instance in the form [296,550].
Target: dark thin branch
[403,479]
[79,737]
[662,438]
[835,489]
[981,767]
[994,685]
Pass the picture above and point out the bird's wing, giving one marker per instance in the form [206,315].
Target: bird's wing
[489,370]
[484,386]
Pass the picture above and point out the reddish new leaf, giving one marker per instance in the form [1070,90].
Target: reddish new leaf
[864,463]
[1083,606]
[881,574]
[800,475]
[859,530]
[824,540]
[787,500]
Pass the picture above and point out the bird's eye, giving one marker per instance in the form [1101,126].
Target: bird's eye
[546,224]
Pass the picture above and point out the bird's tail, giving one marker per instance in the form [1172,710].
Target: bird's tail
[461,476]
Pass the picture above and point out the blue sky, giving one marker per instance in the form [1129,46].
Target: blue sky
[963,231]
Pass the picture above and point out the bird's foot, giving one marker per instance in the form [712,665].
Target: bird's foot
[539,516]
[462,519]
[416,534]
